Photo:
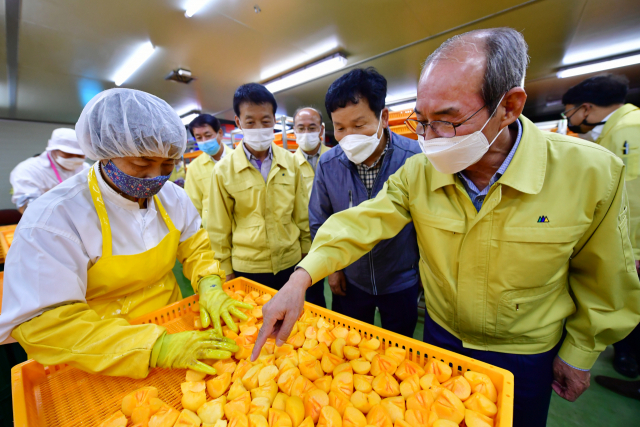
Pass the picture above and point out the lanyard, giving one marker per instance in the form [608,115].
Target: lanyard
[53,166]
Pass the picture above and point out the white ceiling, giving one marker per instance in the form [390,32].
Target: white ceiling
[70,49]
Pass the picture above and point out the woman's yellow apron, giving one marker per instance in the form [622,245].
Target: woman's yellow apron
[129,286]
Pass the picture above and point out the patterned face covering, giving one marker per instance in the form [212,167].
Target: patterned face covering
[141,188]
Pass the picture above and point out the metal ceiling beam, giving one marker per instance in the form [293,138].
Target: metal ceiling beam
[12,16]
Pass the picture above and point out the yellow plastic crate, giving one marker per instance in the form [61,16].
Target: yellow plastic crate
[64,396]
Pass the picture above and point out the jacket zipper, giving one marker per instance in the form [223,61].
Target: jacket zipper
[369,193]
[350,200]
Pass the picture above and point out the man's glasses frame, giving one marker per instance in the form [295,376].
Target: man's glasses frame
[441,128]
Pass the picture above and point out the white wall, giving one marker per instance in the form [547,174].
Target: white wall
[18,141]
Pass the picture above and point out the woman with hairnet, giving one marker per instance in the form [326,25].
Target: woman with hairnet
[33,177]
[99,249]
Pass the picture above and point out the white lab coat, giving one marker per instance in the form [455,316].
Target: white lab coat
[59,238]
[34,177]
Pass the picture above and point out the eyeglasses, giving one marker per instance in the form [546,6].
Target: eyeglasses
[441,128]
[564,113]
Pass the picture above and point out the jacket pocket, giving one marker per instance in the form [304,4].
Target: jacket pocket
[282,197]
[530,257]
[238,187]
[534,313]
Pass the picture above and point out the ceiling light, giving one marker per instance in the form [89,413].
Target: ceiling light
[189,118]
[309,72]
[193,7]
[405,97]
[133,63]
[404,106]
[605,50]
[180,75]
[599,66]
[312,50]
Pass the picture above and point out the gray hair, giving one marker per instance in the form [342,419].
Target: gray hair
[506,59]
[306,108]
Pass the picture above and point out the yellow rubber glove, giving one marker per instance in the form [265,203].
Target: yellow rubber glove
[184,349]
[215,303]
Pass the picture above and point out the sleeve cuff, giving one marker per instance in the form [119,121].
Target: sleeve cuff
[314,267]
[305,246]
[576,357]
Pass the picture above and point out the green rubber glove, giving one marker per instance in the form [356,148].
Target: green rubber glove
[215,303]
[184,349]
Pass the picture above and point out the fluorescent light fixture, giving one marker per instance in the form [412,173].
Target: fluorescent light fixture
[312,49]
[189,118]
[193,7]
[606,49]
[310,72]
[404,106]
[599,66]
[134,62]
[405,97]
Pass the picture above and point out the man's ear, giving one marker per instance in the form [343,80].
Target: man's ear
[513,102]
[238,122]
[385,117]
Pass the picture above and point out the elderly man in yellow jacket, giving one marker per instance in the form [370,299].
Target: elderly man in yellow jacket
[257,215]
[595,109]
[522,234]
[309,129]
[208,133]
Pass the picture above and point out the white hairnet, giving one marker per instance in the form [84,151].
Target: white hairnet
[64,139]
[130,123]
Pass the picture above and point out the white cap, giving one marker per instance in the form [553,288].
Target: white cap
[130,123]
[65,140]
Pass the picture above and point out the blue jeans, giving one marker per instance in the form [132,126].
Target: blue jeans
[398,310]
[533,374]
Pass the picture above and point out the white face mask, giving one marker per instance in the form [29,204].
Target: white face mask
[359,148]
[308,141]
[69,164]
[258,139]
[451,155]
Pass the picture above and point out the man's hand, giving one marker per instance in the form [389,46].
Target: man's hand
[569,383]
[230,277]
[338,283]
[282,311]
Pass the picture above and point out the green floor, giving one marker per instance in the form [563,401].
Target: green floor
[596,407]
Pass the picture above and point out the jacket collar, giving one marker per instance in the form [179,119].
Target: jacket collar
[299,155]
[615,118]
[527,169]
[240,161]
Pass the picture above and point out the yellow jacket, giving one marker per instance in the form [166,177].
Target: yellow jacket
[550,243]
[198,180]
[307,171]
[624,127]
[258,227]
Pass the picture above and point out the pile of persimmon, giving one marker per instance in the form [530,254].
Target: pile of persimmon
[324,376]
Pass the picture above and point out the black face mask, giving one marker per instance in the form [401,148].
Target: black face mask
[577,129]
